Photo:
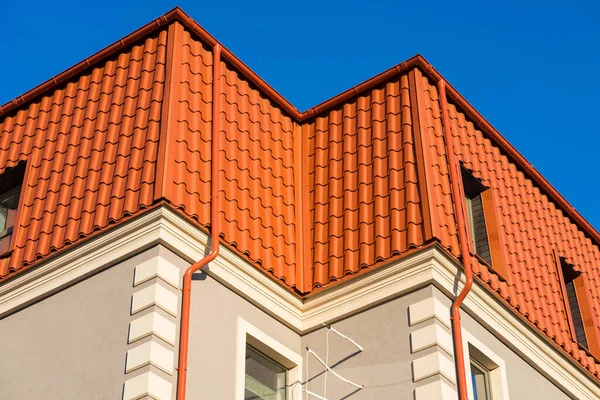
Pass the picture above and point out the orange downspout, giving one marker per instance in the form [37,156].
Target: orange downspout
[214,227]
[463,239]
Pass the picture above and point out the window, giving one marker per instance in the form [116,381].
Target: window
[480,378]
[265,379]
[569,275]
[265,368]
[10,191]
[581,316]
[486,241]
[475,214]
[487,370]
[8,213]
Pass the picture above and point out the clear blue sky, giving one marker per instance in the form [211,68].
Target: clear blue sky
[529,69]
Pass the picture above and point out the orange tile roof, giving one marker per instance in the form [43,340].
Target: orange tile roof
[91,151]
[364,198]
[310,198]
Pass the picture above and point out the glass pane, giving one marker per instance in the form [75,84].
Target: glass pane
[469,209]
[480,386]
[8,209]
[3,217]
[265,379]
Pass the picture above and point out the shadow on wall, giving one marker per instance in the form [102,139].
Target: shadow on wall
[327,367]
[323,373]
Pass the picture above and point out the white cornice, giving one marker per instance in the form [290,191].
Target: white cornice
[429,266]
[81,261]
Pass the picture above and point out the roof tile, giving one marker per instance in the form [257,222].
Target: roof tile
[72,135]
[364,196]
[257,185]
[531,224]
[92,141]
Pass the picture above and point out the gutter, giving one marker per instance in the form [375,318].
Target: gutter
[214,227]
[463,241]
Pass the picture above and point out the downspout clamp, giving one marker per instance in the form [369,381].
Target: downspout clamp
[214,227]
[463,239]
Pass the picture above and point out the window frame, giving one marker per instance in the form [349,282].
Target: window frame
[279,370]
[21,187]
[588,316]
[248,334]
[4,196]
[495,241]
[496,367]
[486,377]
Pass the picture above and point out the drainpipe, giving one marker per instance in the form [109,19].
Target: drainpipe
[463,239]
[214,227]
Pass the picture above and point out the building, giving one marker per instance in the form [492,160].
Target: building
[346,233]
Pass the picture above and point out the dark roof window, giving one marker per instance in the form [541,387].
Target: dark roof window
[569,275]
[11,182]
[476,218]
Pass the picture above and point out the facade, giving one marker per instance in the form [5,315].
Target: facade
[346,231]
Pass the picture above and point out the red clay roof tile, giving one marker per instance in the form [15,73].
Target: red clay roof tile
[532,228]
[309,198]
[83,171]
[364,201]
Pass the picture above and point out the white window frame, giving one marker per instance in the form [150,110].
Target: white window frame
[497,375]
[248,334]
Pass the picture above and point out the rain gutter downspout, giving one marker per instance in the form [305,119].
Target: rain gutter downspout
[463,239]
[214,227]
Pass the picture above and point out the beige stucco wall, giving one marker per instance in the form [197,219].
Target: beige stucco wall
[384,367]
[524,381]
[212,352]
[74,344]
[71,345]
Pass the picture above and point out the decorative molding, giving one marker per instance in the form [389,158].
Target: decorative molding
[150,353]
[437,390]
[430,319]
[82,260]
[152,324]
[157,267]
[433,364]
[157,295]
[530,344]
[154,295]
[147,384]
[428,266]
[427,309]
[362,292]
[429,336]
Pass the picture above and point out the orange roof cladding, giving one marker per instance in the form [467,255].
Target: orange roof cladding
[310,198]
